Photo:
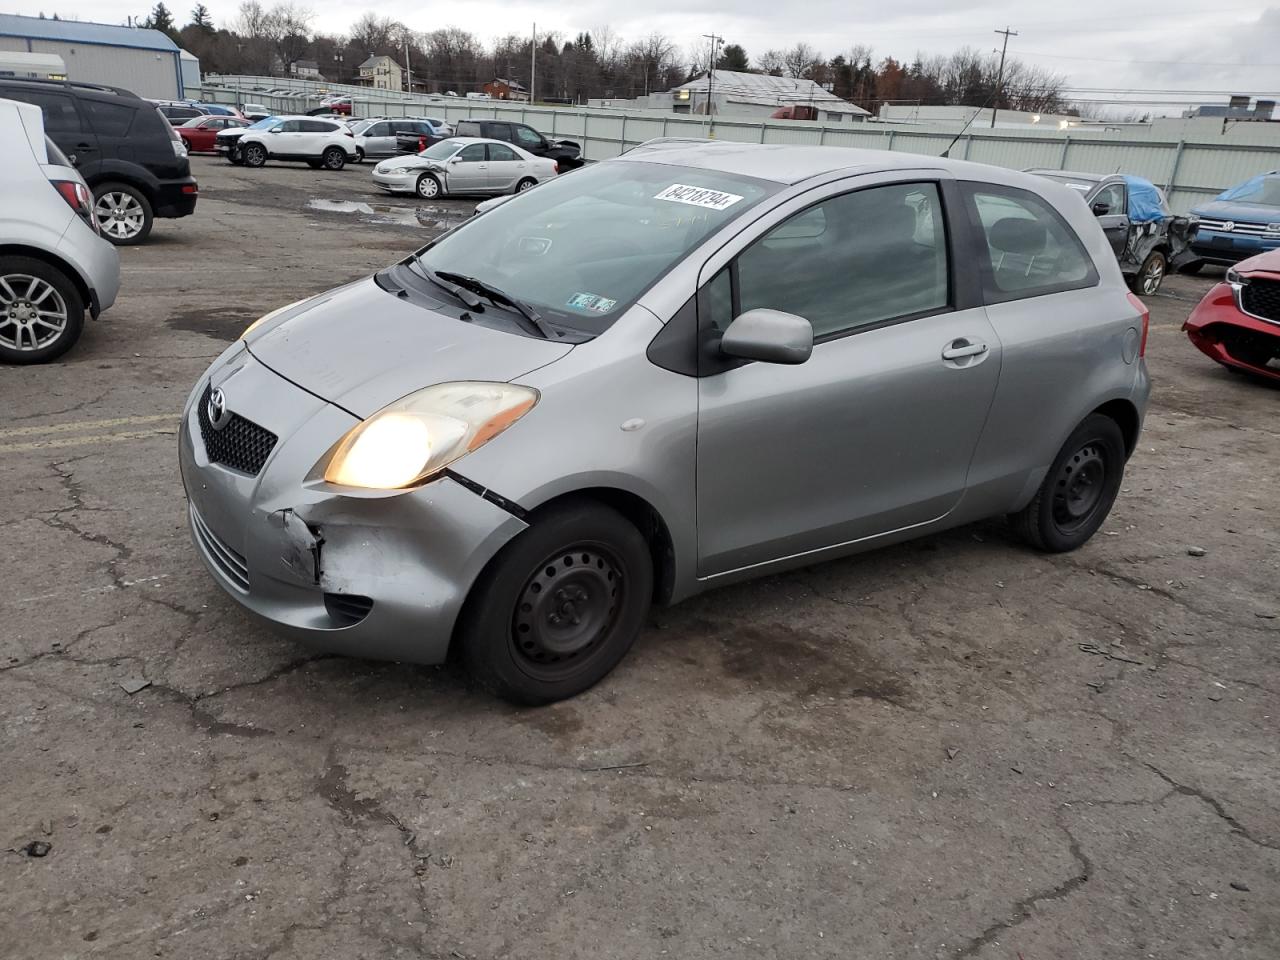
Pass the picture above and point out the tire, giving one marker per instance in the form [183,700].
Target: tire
[124,215]
[559,607]
[428,187]
[1146,282]
[24,338]
[528,183]
[333,158]
[235,157]
[1192,268]
[1079,489]
[253,154]
[359,156]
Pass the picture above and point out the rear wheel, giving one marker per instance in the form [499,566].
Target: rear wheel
[254,154]
[1079,489]
[1146,282]
[526,184]
[428,187]
[560,606]
[124,215]
[41,311]
[333,158]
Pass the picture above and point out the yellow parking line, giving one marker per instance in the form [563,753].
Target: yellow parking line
[86,425]
[53,443]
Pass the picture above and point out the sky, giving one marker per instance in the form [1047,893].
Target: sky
[1183,45]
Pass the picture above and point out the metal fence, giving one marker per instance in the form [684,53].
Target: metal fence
[1190,170]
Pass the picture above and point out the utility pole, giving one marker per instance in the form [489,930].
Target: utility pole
[715,42]
[533,63]
[995,100]
[408,70]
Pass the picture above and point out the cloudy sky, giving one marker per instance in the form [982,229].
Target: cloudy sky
[1184,45]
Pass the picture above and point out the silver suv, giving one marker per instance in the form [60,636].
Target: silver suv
[693,364]
[54,265]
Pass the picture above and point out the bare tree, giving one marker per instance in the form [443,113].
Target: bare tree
[289,27]
[771,62]
[801,61]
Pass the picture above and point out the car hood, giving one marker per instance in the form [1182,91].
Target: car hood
[1268,262]
[1247,212]
[360,347]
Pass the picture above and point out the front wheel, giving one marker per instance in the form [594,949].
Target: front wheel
[124,215]
[41,311]
[333,158]
[359,156]
[1146,282]
[560,606]
[1079,489]
[428,187]
[254,154]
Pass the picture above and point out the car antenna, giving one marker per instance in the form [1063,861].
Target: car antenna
[947,152]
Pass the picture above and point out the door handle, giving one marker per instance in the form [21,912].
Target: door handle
[960,348]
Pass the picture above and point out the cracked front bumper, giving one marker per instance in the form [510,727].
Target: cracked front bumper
[382,577]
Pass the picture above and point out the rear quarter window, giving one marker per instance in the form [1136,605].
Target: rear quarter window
[108,119]
[1029,249]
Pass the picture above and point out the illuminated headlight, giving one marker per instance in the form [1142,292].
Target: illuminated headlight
[269,316]
[411,440]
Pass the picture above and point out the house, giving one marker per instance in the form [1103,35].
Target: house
[144,61]
[306,69]
[381,73]
[755,95]
[500,89]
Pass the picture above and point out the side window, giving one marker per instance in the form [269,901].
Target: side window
[1031,249]
[60,114]
[316,126]
[498,151]
[499,131]
[853,261]
[1113,196]
[382,129]
[473,153]
[288,126]
[527,138]
[715,302]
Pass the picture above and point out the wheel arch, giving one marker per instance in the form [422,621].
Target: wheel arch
[53,260]
[1126,416]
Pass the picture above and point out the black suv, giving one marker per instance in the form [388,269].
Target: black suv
[565,152]
[124,148]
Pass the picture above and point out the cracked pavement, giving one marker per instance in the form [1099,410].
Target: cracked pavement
[903,754]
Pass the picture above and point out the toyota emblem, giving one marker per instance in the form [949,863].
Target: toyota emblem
[219,415]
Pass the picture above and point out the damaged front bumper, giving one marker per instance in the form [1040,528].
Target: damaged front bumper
[381,576]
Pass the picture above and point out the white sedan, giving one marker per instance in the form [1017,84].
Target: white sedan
[464,165]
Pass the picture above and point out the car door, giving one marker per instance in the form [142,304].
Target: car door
[468,170]
[64,124]
[316,135]
[284,139]
[874,432]
[505,168]
[380,139]
[1115,221]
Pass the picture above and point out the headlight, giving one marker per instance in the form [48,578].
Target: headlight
[269,316]
[419,435]
[1233,277]
[398,170]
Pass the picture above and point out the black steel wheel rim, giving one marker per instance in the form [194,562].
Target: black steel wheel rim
[1078,489]
[566,610]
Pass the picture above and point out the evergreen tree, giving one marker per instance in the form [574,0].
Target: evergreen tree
[200,17]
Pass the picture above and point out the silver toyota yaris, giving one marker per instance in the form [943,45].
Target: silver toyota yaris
[697,363]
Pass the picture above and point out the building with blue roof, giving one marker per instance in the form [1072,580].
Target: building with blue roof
[144,61]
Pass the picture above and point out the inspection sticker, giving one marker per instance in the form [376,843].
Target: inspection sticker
[698,196]
[591,302]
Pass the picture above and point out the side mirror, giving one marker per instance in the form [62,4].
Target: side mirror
[770,336]
[1101,209]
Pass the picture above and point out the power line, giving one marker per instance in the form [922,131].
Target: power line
[1187,63]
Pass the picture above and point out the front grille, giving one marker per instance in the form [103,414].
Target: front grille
[229,563]
[1238,226]
[241,444]
[1262,299]
[346,609]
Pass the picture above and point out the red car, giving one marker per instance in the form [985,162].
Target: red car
[1238,321]
[198,132]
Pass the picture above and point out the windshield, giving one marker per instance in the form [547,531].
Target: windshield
[581,248]
[262,124]
[360,126]
[1264,191]
[442,150]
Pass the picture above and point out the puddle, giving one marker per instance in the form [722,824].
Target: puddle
[435,217]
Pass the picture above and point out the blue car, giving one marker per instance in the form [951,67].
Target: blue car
[1239,222]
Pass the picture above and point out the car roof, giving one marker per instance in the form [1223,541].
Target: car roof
[1087,177]
[789,163]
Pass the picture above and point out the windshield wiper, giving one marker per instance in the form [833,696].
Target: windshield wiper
[497,295]
[468,298]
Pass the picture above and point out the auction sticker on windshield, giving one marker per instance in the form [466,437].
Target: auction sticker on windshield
[698,196]
[592,303]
